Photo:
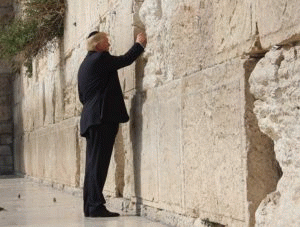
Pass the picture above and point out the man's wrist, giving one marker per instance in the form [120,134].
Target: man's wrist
[141,44]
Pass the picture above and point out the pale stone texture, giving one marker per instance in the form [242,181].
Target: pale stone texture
[263,168]
[213,142]
[275,83]
[278,21]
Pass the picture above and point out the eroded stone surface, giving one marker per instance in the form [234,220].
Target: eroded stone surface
[277,21]
[275,83]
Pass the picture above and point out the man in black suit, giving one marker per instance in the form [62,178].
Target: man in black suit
[103,109]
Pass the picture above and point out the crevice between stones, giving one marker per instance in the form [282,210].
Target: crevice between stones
[263,169]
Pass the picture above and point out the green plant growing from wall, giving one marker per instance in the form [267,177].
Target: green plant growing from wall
[40,22]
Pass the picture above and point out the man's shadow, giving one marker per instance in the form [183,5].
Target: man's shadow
[136,129]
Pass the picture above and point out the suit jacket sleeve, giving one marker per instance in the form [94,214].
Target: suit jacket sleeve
[117,62]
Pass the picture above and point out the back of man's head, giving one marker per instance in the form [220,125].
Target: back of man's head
[94,38]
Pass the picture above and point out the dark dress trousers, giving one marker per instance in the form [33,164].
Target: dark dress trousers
[103,109]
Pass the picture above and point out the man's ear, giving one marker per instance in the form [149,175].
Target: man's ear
[98,47]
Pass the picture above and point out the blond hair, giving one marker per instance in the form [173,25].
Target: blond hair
[94,39]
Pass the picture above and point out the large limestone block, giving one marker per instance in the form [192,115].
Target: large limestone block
[275,84]
[121,39]
[17,120]
[82,147]
[40,105]
[46,144]
[70,100]
[53,153]
[186,36]
[131,133]
[30,146]
[170,160]
[28,105]
[71,103]
[233,27]
[58,98]
[85,16]
[53,55]
[67,153]
[146,158]
[49,99]
[18,90]
[110,186]
[18,154]
[29,152]
[213,144]
[81,18]
[277,21]
[129,177]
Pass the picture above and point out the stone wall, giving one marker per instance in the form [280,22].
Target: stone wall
[275,82]
[6,97]
[193,153]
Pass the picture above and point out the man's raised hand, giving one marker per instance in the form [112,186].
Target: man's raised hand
[142,39]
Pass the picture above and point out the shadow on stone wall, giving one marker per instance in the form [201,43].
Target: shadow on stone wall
[6,100]
[136,126]
[18,126]
[264,171]
[119,157]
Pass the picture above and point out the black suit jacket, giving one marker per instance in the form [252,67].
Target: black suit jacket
[99,87]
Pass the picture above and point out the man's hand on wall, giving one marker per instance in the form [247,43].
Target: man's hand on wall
[142,39]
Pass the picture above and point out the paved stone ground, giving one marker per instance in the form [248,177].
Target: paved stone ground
[27,203]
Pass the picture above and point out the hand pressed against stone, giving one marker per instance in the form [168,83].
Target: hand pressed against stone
[142,39]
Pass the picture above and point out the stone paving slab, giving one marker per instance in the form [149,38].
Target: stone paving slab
[27,203]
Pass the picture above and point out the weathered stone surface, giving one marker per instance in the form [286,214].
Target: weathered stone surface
[278,21]
[131,134]
[52,153]
[170,157]
[146,158]
[186,36]
[18,91]
[213,149]
[263,169]
[275,84]
[19,152]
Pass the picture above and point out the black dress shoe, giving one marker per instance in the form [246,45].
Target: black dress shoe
[102,212]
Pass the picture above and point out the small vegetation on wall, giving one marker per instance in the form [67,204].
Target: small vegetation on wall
[25,36]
